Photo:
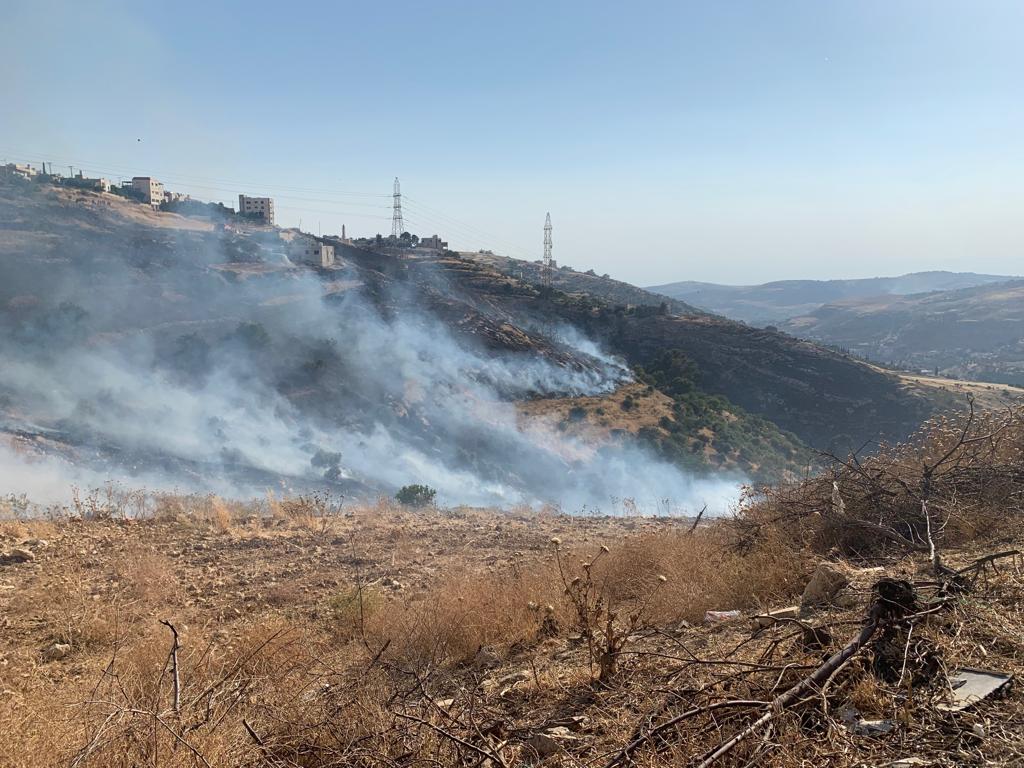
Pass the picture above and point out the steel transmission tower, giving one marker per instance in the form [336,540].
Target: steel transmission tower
[546,269]
[397,227]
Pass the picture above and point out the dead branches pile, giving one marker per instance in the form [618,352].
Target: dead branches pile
[765,694]
[961,478]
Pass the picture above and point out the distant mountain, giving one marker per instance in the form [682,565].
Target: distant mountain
[773,302]
[975,333]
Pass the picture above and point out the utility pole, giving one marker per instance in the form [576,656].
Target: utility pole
[546,266]
[397,227]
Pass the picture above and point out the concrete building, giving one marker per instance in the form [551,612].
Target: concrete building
[176,197]
[261,207]
[434,242]
[312,252]
[152,191]
[79,181]
[23,170]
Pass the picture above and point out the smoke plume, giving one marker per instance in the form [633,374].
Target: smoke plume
[141,356]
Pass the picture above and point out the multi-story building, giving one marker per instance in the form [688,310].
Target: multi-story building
[152,191]
[260,207]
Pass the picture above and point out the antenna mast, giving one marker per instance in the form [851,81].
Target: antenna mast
[397,227]
[546,268]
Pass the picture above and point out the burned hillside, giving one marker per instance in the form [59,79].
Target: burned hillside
[200,352]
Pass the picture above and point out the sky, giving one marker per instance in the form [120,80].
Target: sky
[734,141]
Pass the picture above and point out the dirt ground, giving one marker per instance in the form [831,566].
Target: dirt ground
[475,611]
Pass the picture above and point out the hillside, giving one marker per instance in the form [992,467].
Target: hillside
[825,398]
[773,302]
[974,333]
[191,630]
[183,353]
[200,356]
[572,281]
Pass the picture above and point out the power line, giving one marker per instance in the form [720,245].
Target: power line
[474,233]
[462,232]
[334,212]
[422,211]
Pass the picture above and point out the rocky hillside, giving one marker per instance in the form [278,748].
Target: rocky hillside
[185,349]
[572,281]
[826,398]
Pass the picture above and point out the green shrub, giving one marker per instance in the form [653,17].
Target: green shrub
[416,495]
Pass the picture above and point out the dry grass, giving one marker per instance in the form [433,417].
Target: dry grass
[313,636]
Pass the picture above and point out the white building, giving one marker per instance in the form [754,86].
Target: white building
[80,181]
[152,191]
[313,252]
[262,207]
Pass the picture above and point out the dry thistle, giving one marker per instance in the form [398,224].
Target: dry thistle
[556,541]
[662,578]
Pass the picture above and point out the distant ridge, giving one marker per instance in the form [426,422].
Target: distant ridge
[771,303]
[967,333]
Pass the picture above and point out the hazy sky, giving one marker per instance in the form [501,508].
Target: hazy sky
[725,141]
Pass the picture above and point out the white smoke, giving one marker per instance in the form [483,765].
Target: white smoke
[388,397]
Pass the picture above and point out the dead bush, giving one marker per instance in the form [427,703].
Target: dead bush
[959,479]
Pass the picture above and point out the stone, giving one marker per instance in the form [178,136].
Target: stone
[873,727]
[56,652]
[486,659]
[719,617]
[18,555]
[549,741]
[825,585]
[856,724]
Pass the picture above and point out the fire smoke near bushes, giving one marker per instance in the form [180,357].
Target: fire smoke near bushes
[154,365]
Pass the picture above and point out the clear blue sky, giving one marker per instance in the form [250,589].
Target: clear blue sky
[714,140]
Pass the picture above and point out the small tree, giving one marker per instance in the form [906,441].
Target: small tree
[416,495]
